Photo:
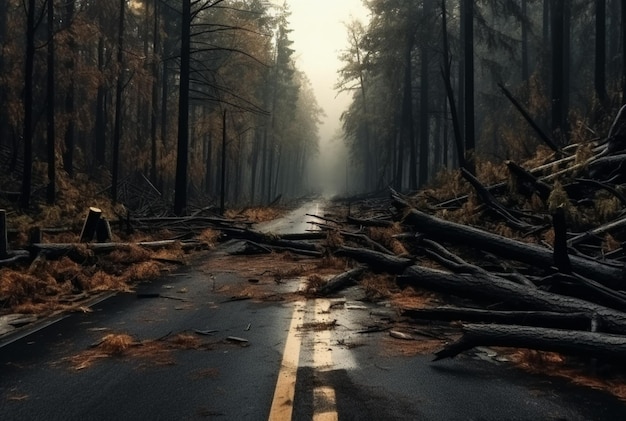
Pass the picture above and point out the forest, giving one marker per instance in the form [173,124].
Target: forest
[496,125]
[203,100]
[198,99]
[428,92]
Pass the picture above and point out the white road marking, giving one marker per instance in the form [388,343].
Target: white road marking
[324,395]
[324,403]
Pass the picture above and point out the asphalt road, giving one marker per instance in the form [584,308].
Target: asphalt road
[325,374]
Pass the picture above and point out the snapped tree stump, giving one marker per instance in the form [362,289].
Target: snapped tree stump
[90,225]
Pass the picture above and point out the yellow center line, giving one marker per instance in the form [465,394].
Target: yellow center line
[282,404]
[324,402]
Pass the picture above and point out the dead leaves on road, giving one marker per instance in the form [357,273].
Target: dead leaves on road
[123,346]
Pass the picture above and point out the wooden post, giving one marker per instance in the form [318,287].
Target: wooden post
[89,227]
[3,234]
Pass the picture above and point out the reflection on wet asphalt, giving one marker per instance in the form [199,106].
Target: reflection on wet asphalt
[296,221]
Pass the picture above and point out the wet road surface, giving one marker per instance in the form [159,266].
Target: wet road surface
[291,367]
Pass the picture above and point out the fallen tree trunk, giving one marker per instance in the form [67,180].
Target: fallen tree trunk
[53,249]
[259,237]
[481,286]
[15,257]
[527,179]
[550,319]
[376,260]
[609,275]
[598,231]
[493,204]
[382,223]
[587,344]
[543,136]
[342,280]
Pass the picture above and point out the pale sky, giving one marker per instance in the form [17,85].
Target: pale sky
[319,35]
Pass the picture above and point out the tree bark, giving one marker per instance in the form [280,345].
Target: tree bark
[424,126]
[182,158]
[27,133]
[90,225]
[50,109]
[117,130]
[548,319]
[485,286]
[342,281]
[587,344]
[436,228]
[468,42]
[376,259]
[600,57]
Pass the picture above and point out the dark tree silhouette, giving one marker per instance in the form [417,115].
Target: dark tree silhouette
[50,107]
[558,69]
[68,153]
[424,138]
[27,134]
[468,49]
[600,62]
[182,158]
[117,129]
[525,24]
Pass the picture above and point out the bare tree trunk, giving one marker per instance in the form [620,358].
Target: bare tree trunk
[408,130]
[101,120]
[182,158]
[600,62]
[68,155]
[223,178]
[587,344]
[623,53]
[117,130]
[156,48]
[27,133]
[468,43]
[51,134]
[424,124]
[4,126]
[525,17]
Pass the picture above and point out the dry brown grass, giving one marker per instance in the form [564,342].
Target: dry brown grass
[384,236]
[314,283]
[209,236]
[121,345]
[378,286]
[414,298]
[610,243]
[332,263]
[48,285]
[334,239]
[131,253]
[116,344]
